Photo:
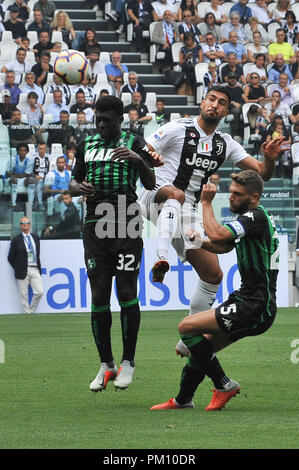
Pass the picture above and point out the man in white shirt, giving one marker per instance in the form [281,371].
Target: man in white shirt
[56,107]
[31,86]
[286,90]
[19,65]
[24,257]
[212,50]
[261,11]
[94,65]
[161,5]
[277,107]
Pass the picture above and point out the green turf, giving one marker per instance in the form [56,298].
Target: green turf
[51,358]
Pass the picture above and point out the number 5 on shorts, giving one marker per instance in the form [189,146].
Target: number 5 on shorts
[231,308]
[125,262]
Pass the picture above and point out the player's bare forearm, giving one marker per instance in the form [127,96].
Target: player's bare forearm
[218,248]
[216,232]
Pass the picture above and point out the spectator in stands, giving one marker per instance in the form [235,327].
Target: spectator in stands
[57,106]
[62,23]
[88,90]
[19,132]
[280,10]
[142,14]
[142,109]
[261,11]
[253,27]
[212,50]
[275,106]
[115,68]
[218,12]
[259,68]
[39,24]
[232,66]
[134,85]
[211,77]
[41,166]
[95,66]
[6,108]
[118,15]
[11,85]
[236,102]
[19,174]
[166,33]
[44,44]
[190,55]
[133,124]
[234,46]
[279,67]
[70,153]
[55,183]
[254,92]
[69,226]
[33,110]
[117,85]
[31,86]
[162,116]
[188,26]
[291,28]
[23,10]
[47,8]
[281,47]
[188,5]
[286,90]
[19,65]
[82,105]
[294,68]
[16,27]
[233,26]
[65,90]
[216,180]
[89,42]
[262,122]
[243,11]
[256,47]
[25,43]
[60,132]
[160,6]
[209,26]
[83,128]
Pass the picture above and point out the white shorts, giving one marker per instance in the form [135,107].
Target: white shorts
[190,219]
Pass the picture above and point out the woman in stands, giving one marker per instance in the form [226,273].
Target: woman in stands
[190,55]
[218,11]
[209,26]
[252,27]
[279,12]
[62,23]
[256,47]
[89,42]
[291,27]
[234,25]
[191,6]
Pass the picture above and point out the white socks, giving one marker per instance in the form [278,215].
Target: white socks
[203,297]
[167,224]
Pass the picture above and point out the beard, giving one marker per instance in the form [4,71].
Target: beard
[241,208]
[210,120]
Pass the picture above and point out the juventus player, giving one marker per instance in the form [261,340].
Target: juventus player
[192,150]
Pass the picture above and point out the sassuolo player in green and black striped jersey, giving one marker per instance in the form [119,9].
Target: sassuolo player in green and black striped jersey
[107,168]
[250,310]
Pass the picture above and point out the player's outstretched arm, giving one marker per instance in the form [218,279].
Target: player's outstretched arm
[147,176]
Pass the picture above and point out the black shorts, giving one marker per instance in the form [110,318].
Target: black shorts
[110,255]
[238,319]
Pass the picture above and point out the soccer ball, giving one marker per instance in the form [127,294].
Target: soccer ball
[70,67]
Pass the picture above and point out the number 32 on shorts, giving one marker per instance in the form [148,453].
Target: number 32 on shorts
[126,262]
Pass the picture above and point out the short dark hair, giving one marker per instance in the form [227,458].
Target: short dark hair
[250,179]
[32,94]
[65,193]
[220,89]
[110,103]
[94,50]
[26,146]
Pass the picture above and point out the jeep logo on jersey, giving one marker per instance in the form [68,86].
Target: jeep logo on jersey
[201,162]
[95,154]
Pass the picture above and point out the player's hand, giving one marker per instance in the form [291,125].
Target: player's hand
[124,153]
[208,192]
[195,237]
[273,149]
[87,189]
[158,159]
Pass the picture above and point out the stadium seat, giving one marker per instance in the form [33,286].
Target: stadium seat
[200,69]
[105,57]
[48,99]
[33,37]
[98,87]
[295,8]
[56,36]
[272,27]
[107,9]
[24,117]
[126,99]
[295,159]
[227,7]
[6,36]
[56,149]
[247,67]
[73,119]
[270,88]
[53,57]
[153,55]
[102,78]
[201,8]
[150,101]
[47,119]
[32,150]
[174,116]
[245,109]
[175,51]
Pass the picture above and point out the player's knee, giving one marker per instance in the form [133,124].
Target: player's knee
[171,192]
[214,277]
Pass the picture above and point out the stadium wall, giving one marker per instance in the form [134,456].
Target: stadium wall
[67,290]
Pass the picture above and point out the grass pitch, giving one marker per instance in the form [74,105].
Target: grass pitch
[51,358]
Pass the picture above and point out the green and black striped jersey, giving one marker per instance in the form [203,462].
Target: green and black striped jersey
[256,243]
[109,178]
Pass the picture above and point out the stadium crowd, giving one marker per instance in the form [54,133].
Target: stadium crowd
[251,48]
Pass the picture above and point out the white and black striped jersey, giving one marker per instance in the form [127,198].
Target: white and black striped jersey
[190,156]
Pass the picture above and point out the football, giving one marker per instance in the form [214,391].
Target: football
[70,67]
